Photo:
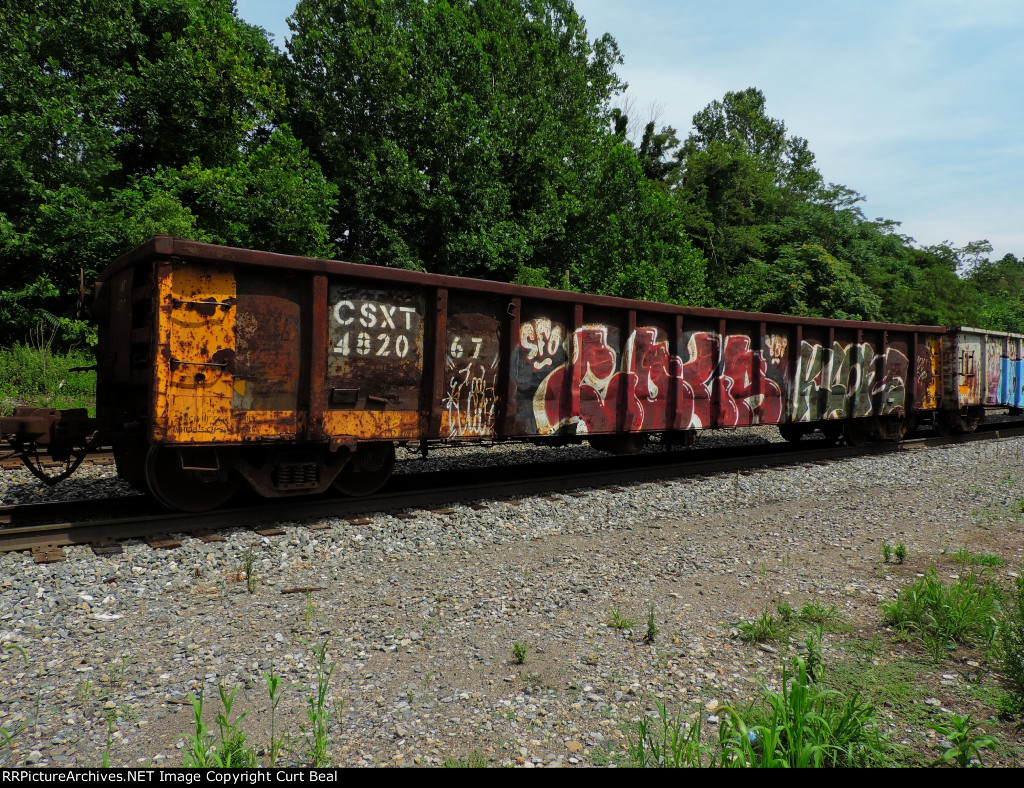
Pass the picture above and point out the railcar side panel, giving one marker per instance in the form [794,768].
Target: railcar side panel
[539,368]
[985,368]
[193,392]
[928,373]
[895,380]
[474,354]
[1011,378]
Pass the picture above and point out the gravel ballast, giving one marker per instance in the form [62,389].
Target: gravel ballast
[420,615]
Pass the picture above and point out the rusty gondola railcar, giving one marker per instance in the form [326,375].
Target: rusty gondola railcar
[219,368]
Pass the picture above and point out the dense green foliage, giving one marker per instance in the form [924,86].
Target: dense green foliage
[467,137]
[474,138]
[123,118]
[35,375]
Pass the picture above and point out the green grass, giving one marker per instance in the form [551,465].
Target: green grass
[766,628]
[967,741]
[815,612]
[945,615]
[802,725]
[227,752]
[967,558]
[475,760]
[617,621]
[1010,650]
[35,376]
[652,626]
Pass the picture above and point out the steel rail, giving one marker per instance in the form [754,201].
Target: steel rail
[432,489]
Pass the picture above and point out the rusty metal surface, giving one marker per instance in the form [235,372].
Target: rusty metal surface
[474,354]
[986,367]
[376,346]
[234,348]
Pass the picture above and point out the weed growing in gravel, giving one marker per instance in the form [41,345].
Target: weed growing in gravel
[105,762]
[945,615]
[1011,649]
[806,725]
[901,553]
[802,725]
[310,610]
[249,568]
[763,629]
[815,659]
[475,760]
[114,671]
[617,621]
[84,693]
[965,557]
[8,735]
[966,742]
[652,626]
[231,752]
[274,690]
[785,611]
[318,712]
[886,552]
[669,741]
[815,612]
[519,653]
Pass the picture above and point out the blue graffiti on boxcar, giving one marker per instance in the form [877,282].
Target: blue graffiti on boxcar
[1011,383]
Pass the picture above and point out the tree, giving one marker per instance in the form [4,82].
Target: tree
[123,118]
[739,174]
[470,137]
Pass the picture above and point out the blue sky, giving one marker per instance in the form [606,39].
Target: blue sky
[916,104]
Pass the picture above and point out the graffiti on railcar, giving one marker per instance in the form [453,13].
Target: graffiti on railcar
[928,372]
[993,367]
[600,388]
[966,366]
[472,363]
[843,382]
[470,400]
[747,394]
[542,341]
[1011,383]
[648,387]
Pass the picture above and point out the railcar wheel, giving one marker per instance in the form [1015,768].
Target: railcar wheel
[791,432]
[832,431]
[186,491]
[856,433]
[367,471]
[943,424]
[969,421]
[897,427]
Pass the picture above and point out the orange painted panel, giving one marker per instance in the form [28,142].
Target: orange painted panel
[374,424]
[193,380]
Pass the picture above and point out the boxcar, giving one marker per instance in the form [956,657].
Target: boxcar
[984,370]
[219,367]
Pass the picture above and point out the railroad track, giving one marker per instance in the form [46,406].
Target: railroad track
[45,529]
